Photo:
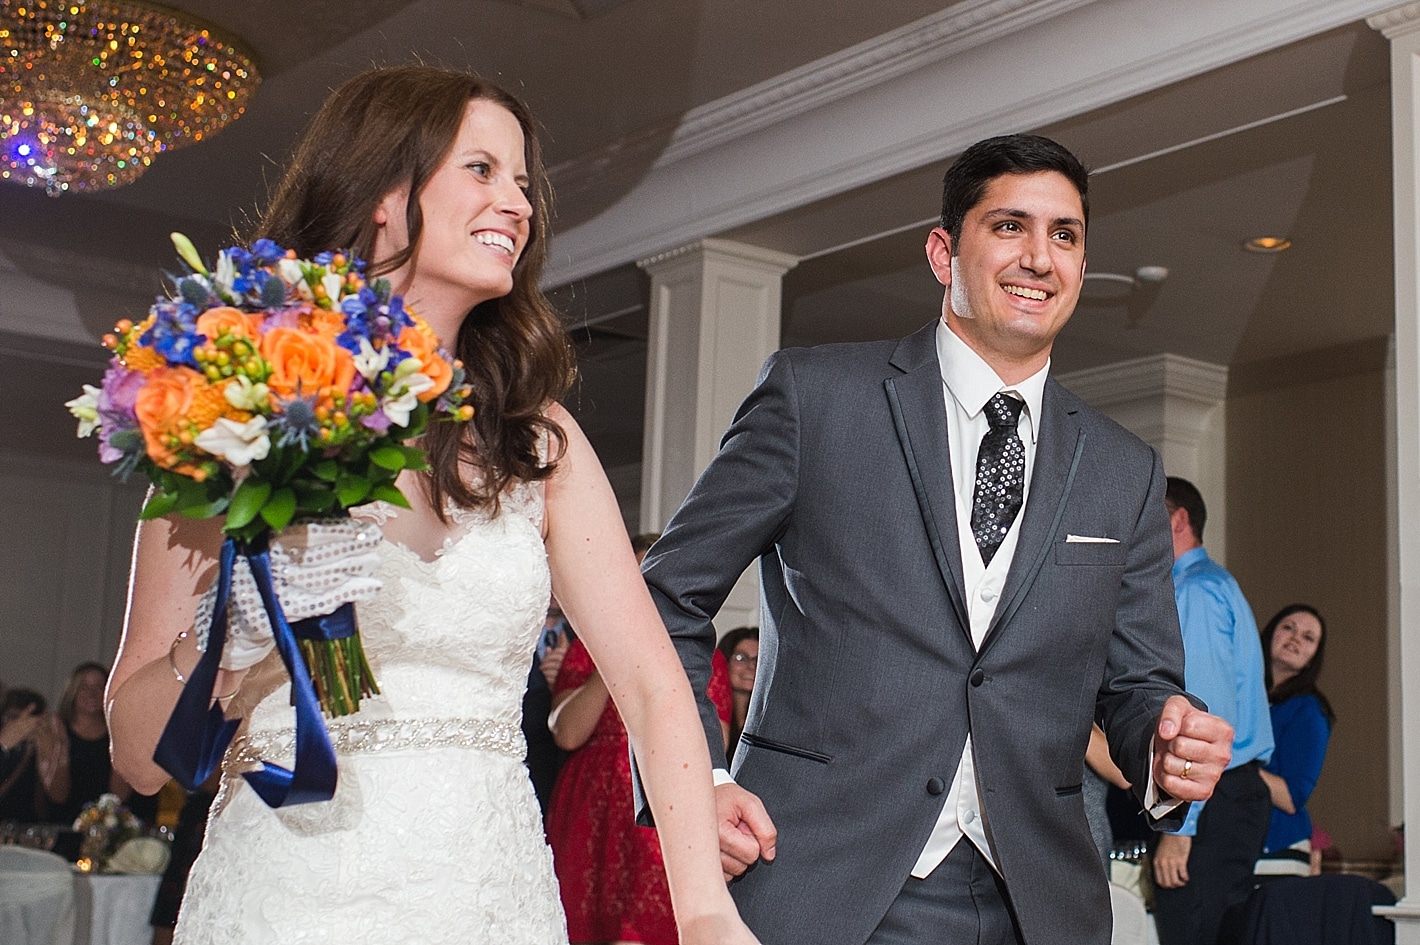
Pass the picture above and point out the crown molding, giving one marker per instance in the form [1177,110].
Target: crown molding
[954,30]
[1399,21]
[756,256]
[1169,375]
[1084,57]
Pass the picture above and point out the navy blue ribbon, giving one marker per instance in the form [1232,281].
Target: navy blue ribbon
[198,732]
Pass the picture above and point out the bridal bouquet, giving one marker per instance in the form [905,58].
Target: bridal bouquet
[272,390]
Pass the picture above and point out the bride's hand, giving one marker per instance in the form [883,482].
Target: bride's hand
[315,566]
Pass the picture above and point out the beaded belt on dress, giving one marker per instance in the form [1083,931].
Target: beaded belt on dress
[366,736]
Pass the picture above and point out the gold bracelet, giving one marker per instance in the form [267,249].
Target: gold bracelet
[177,673]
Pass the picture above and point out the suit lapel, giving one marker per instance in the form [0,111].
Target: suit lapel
[918,407]
[1057,456]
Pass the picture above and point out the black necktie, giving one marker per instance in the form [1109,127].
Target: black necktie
[1000,476]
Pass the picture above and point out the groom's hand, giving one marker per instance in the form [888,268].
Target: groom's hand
[747,835]
[1191,749]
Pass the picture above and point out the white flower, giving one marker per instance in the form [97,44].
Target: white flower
[294,276]
[238,443]
[86,408]
[334,282]
[370,362]
[244,395]
[226,274]
[399,408]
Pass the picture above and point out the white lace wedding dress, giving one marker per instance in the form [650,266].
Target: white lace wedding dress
[434,834]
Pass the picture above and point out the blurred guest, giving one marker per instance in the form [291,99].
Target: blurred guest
[187,843]
[21,722]
[610,871]
[741,649]
[1206,867]
[79,771]
[1294,641]
[544,758]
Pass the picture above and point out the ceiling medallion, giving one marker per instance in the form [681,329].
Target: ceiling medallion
[92,91]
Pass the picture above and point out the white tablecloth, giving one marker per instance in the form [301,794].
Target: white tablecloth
[113,909]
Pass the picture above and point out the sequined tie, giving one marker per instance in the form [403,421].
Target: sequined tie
[1000,476]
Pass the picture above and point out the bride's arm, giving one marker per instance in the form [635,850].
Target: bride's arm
[596,581]
[173,562]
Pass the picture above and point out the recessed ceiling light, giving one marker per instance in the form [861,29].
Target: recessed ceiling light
[1267,244]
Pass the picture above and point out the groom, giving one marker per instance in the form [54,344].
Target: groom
[963,566]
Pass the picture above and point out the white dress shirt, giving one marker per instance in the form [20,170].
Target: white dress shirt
[968,383]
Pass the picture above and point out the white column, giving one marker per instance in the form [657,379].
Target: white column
[1402,27]
[715,314]
[1174,404]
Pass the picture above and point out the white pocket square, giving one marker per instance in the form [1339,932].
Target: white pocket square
[1090,540]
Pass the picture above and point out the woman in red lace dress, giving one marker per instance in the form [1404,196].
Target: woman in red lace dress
[609,870]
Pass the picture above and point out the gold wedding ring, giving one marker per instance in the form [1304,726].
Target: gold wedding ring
[1187,769]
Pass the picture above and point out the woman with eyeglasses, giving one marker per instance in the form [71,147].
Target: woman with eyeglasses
[741,649]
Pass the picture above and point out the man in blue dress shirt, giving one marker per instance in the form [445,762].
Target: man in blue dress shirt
[1206,866]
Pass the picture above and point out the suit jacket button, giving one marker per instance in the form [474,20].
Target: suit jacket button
[935,786]
[977,678]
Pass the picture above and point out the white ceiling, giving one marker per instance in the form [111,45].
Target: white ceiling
[1293,142]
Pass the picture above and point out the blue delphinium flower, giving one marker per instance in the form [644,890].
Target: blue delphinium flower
[266,252]
[174,333]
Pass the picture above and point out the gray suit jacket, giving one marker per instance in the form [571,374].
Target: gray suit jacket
[835,475]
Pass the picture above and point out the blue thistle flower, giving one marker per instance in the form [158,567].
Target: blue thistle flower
[297,423]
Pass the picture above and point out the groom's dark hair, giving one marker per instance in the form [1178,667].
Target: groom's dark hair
[965,182]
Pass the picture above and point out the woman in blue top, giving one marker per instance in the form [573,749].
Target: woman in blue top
[1294,641]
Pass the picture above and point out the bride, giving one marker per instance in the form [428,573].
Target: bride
[433,834]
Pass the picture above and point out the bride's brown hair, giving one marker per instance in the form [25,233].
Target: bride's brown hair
[388,129]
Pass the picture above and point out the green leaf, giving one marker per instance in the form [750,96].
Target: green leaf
[352,490]
[201,499]
[322,501]
[246,504]
[327,469]
[414,458]
[205,509]
[279,509]
[388,457]
[388,493]
[159,505]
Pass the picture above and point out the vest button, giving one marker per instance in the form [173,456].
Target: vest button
[935,786]
[977,678]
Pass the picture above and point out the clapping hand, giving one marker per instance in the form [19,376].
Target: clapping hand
[20,728]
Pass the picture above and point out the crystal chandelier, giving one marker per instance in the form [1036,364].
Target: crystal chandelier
[91,91]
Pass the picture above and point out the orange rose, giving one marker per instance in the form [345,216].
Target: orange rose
[224,320]
[162,404]
[421,342]
[305,361]
[325,322]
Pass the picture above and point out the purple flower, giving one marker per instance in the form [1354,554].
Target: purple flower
[376,421]
[116,416]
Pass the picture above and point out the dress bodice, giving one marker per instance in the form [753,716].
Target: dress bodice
[449,639]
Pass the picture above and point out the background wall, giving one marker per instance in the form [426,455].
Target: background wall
[66,525]
[1306,474]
